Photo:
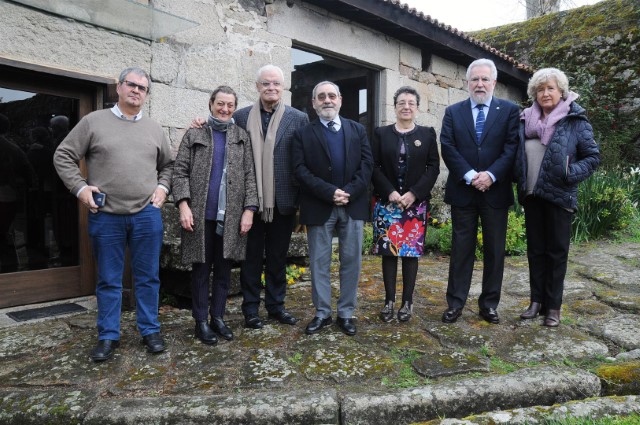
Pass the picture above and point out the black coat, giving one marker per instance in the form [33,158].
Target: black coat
[495,153]
[572,155]
[423,162]
[312,168]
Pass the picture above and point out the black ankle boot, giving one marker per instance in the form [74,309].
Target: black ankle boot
[221,328]
[204,333]
[404,314]
[386,314]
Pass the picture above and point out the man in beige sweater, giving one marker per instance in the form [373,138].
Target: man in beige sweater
[129,167]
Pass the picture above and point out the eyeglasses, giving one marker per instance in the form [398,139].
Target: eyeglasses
[408,104]
[132,86]
[322,96]
[267,84]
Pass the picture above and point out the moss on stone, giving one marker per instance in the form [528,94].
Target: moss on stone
[620,373]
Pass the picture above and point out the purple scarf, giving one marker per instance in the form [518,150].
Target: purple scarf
[537,127]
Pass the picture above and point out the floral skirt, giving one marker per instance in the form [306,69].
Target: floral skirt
[399,233]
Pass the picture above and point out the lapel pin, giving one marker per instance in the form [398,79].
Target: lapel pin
[418,143]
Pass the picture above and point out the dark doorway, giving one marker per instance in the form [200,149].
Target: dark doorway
[357,85]
[44,248]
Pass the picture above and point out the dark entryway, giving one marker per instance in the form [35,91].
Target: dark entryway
[358,85]
[44,246]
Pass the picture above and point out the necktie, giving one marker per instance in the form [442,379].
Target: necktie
[330,126]
[479,122]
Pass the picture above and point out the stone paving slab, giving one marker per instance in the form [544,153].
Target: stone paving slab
[587,409]
[546,385]
[388,368]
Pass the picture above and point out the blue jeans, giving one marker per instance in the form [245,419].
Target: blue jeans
[110,235]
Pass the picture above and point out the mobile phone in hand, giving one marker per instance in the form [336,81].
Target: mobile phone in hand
[99,198]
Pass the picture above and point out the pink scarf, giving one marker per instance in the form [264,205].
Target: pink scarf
[537,127]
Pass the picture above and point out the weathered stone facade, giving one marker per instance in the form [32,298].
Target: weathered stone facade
[233,39]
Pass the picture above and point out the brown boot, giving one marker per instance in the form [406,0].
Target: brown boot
[553,318]
[532,311]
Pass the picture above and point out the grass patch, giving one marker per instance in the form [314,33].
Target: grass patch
[614,420]
[501,366]
[407,377]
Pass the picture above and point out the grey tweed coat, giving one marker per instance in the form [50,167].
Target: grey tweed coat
[191,172]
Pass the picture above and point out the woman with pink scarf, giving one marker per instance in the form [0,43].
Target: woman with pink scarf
[557,151]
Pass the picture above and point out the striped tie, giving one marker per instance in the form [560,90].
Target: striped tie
[479,122]
[330,126]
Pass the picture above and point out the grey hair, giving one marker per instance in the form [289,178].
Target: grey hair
[483,62]
[543,75]
[269,67]
[313,93]
[407,90]
[226,90]
[137,71]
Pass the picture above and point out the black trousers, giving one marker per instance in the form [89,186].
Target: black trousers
[271,242]
[200,277]
[548,238]
[464,240]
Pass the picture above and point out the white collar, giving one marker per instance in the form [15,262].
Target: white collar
[118,113]
[336,120]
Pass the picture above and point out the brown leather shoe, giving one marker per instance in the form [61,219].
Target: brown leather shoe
[553,319]
[532,311]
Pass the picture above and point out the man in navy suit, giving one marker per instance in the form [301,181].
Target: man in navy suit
[479,138]
[271,125]
[333,163]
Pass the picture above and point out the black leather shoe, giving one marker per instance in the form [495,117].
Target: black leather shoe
[253,322]
[451,315]
[405,312]
[284,317]
[532,311]
[490,315]
[347,326]
[204,333]
[386,314]
[317,324]
[221,328]
[104,350]
[154,343]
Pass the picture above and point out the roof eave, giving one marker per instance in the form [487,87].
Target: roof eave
[401,22]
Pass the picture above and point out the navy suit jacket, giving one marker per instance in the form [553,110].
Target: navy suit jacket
[312,168]
[495,152]
[285,185]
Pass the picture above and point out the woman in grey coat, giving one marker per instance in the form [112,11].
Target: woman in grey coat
[214,187]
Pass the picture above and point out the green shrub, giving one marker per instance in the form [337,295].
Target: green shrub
[440,237]
[367,238]
[516,234]
[604,204]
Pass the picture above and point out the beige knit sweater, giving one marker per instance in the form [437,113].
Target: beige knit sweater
[125,159]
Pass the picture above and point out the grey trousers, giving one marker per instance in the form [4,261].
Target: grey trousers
[350,250]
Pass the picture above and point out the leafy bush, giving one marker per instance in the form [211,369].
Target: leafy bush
[367,238]
[516,234]
[604,204]
[293,273]
[440,237]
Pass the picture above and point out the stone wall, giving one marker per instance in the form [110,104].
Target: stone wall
[234,38]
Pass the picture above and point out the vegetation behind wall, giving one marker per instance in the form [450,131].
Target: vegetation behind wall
[598,47]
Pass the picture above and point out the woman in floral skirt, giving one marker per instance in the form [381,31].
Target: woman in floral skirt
[406,166]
